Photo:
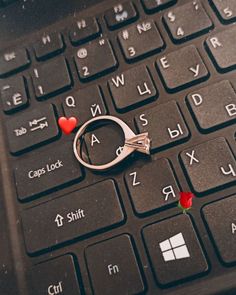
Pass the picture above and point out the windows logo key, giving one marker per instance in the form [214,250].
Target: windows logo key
[174,248]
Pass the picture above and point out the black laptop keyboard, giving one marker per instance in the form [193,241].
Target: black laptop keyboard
[167,68]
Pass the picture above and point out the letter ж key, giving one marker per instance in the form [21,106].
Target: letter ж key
[75,215]
[31,128]
[44,171]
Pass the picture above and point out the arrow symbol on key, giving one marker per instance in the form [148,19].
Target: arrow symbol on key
[59,220]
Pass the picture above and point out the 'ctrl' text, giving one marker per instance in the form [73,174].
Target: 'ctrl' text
[55,289]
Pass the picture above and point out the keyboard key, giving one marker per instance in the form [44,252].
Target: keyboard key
[174,250]
[154,5]
[214,105]
[140,39]
[84,104]
[209,165]
[226,10]
[163,130]
[31,128]
[132,88]
[182,68]
[120,15]
[187,21]
[94,59]
[77,214]
[13,94]
[60,80]
[13,60]
[84,30]
[104,144]
[223,233]
[221,47]
[113,267]
[43,171]
[49,45]
[57,276]
[152,186]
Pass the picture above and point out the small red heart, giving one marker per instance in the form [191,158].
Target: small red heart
[67,125]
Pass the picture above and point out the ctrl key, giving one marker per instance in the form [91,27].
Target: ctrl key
[57,276]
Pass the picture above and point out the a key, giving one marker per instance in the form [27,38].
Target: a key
[120,15]
[59,80]
[140,39]
[163,130]
[209,165]
[84,104]
[187,21]
[182,68]
[13,60]
[152,186]
[77,214]
[154,5]
[83,30]
[13,94]
[31,128]
[44,171]
[48,45]
[221,47]
[174,250]
[226,10]
[113,262]
[104,144]
[56,276]
[132,88]
[94,59]
[213,106]
[221,220]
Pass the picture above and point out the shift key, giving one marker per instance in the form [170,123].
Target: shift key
[43,171]
[75,215]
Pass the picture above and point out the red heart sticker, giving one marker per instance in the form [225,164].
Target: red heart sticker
[67,125]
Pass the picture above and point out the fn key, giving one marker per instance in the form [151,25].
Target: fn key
[113,267]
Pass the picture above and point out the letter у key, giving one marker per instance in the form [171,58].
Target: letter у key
[182,68]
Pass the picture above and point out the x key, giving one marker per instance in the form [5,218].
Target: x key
[207,171]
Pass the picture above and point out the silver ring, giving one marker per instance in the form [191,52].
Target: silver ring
[133,142]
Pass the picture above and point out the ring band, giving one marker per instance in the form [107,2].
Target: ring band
[133,142]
